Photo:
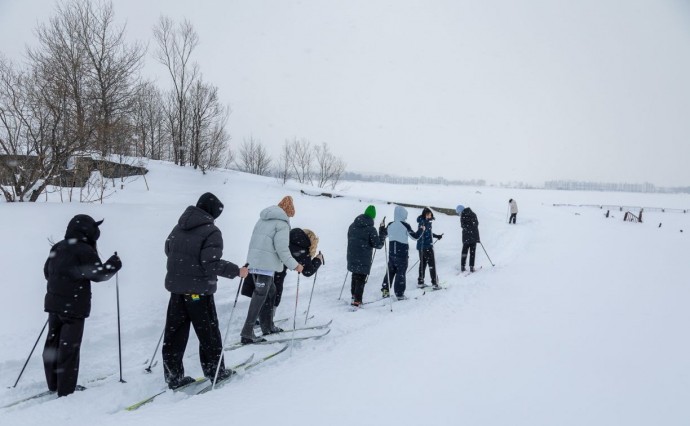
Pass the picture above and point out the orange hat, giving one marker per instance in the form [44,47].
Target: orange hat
[287,206]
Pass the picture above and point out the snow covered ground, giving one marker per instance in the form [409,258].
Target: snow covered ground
[583,320]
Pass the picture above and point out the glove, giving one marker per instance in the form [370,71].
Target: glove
[114,263]
[439,236]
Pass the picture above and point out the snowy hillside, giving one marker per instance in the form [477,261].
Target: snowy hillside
[583,320]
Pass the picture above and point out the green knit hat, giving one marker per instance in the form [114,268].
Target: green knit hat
[371,212]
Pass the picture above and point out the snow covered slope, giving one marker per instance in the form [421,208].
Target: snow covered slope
[583,320]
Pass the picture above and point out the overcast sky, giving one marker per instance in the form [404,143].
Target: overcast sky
[502,90]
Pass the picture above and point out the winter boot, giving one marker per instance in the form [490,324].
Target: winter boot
[250,340]
[385,293]
[471,268]
[421,285]
[356,303]
[223,374]
[178,383]
[402,297]
[462,268]
[435,287]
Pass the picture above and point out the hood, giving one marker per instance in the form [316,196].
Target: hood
[83,228]
[400,214]
[363,221]
[428,210]
[274,213]
[193,217]
[210,204]
[300,238]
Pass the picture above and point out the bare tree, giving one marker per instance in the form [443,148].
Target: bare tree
[148,121]
[253,157]
[285,164]
[208,118]
[329,168]
[175,47]
[37,130]
[302,160]
[60,61]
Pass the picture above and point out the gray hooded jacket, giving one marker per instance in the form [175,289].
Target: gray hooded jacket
[269,247]
[399,231]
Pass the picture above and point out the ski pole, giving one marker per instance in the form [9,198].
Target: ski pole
[155,351]
[306,316]
[294,317]
[487,254]
[227,331]
[373,256]
[420,255]
[30,353]
[119,336]
[343,287]
[388,274]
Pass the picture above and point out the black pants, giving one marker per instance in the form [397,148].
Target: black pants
[472,248]
[357,287]
[397,269]
[427,257]
[513,218]
[61,353]
[200,311]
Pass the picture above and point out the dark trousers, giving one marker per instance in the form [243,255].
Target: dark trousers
[427,258]
[200,311]
[61,353]
[261,306]
[357,287]
[397,269]
[472,248]
[513,218]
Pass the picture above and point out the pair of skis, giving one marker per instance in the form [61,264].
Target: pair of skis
[47,395]
[271,340]
[202,384]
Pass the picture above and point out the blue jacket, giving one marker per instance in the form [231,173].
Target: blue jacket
[427,238]
[399,231]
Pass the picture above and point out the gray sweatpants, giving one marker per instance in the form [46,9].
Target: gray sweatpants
[261,306]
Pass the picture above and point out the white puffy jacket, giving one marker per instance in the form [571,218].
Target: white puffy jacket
[269,247]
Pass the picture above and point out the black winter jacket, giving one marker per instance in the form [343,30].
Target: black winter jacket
[470,226]
[362,239]
[195,250]
[71,266]
[299,248]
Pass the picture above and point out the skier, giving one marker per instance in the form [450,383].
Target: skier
[194,249]
[470,235]
[513,211]
[269,250]
[398,233]
[303,245]
[425,246]
[71,266]
[362,239]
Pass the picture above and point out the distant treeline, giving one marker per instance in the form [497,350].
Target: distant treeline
[407,180]
[572,185]
[569,185]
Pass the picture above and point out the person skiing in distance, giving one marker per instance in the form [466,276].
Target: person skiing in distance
[194,251]
[362,239]
[398,254]
[303,246]
[425,247]
[269,250]
[71,266]
[470,235]
[513,211]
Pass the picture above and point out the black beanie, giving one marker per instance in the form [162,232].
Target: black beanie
[210,204]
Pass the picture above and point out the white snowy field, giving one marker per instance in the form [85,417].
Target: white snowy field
[583,320]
